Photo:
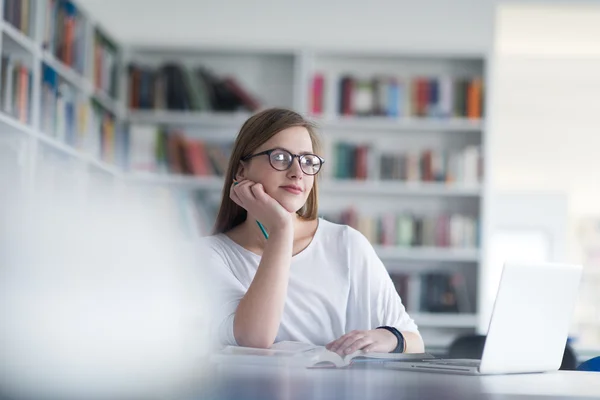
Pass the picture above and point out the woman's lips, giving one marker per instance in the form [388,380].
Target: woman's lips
[292,189]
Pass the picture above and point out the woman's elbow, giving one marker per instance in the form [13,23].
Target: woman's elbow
[256,340]
[257,343]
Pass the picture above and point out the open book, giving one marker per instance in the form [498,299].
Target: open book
[306,355]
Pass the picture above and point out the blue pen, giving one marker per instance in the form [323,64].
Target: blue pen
[262,228]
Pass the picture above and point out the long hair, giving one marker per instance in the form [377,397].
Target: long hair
[257,130]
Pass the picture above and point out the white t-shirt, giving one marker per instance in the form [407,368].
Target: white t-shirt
[336,285]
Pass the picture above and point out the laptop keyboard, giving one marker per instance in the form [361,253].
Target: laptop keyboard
[461,362]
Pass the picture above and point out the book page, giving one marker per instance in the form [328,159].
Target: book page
[297,347]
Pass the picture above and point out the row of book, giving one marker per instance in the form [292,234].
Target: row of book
[351,161]
[19,13]
[158,150]
[436,97]
[411,230]
[77,121]
[65,33]
[15,85]
[176,87]
[105,65]
[440,292]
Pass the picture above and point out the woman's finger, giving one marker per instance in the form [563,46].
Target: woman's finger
[370,348]
[259,193]
[336,343]
[236,199]
[244,191]
[350,338]
[359,344]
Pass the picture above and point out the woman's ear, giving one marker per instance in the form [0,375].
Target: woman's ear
[241,172]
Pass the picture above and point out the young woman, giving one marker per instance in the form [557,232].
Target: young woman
[311,281]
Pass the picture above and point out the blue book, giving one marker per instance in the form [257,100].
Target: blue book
[434,96]
[392,99]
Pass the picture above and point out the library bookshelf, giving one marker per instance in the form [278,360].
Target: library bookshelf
[71,91]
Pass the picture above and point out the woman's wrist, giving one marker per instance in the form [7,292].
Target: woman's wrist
[400,346]
[283,228]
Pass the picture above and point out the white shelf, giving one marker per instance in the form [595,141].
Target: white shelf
[13,124]
[58,146]
[329,187]
[19,37]
[67,73]
[107,103]
[189,182]
[428,254]
[442,320]
[82,84]
[189,118]
[410,124]
[398,188]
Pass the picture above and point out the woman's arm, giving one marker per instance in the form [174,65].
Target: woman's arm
[374,302]
[258,315]
[414,342]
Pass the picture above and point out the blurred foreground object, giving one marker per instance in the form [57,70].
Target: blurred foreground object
[99,297]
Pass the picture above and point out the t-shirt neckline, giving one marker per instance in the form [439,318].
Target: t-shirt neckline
[294,257]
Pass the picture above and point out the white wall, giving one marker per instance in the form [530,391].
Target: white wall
[457,25]
[544,129]
[545,123]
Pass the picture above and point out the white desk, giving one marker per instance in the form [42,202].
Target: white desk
[253,382]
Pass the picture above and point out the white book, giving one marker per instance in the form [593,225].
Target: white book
[142,148]
[445,97]
[297,354]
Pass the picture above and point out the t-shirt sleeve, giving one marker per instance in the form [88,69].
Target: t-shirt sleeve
[226,292]
[373,297]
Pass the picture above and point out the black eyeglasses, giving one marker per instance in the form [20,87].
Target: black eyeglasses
[281,160]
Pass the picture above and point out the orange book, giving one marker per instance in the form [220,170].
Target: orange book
[108,130]
[474,98]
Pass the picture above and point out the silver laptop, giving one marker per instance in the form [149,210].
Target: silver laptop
[529,325]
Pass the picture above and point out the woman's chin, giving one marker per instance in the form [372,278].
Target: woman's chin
[291,206]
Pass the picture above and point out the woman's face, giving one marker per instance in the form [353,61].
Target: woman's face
[290,187]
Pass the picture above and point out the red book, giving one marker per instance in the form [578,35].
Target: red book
[134,95]
[249,101]
[427,160]
[347,90]
[69,39]
[23,93]
[422,97]
[362,154]
[197,158]
[317,94]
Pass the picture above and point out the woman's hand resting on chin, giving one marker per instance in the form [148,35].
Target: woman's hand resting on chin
[252,197]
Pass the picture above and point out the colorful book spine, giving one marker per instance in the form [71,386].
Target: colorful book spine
[421,97]
[412,230]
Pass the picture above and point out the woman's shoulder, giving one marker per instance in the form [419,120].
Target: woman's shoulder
[213,245]
[341,233]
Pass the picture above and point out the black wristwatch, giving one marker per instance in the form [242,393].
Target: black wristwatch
[399,336]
